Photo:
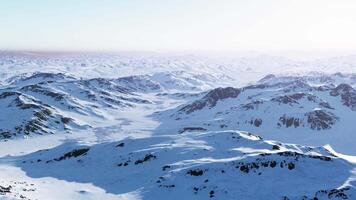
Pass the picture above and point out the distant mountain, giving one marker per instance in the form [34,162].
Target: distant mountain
[174,81]
[43,103]
[281,107]
[46,103]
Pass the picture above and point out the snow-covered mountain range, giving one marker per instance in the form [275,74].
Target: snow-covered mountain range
[104,126]
[316,109]
[51,102]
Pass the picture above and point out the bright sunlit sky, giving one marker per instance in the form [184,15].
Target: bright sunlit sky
[178,25]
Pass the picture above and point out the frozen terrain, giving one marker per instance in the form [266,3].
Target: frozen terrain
[315,109]
[154,126]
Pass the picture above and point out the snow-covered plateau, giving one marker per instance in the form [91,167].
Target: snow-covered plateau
[155,126]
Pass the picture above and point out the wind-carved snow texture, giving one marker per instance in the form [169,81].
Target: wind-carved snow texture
[175,127]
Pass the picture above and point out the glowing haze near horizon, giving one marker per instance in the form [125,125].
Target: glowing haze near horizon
[178,25]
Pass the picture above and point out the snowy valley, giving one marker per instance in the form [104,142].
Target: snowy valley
[137,126]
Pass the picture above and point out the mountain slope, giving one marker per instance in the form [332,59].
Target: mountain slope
[217,165]
[50,103]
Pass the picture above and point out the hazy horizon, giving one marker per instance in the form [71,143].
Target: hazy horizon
[178,26]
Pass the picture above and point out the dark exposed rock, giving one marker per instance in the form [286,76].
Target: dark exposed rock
[248,167]
[66,120]
[124,163]
[253,105]
[145,159]
[293,85]
[267,78]
[267,161]
[257,122]
[45,91]
[273,164]
[211,194]
[164,168]
[326,105]
[291,166]
[211,99]
[196,172]
[106,83]
[288,99]
[340,193]
[317,120]
[8,94]
[192,129]
[139,83]
[121,144]
[320,119]
[4,190]
[258,86]
[75,153]
[167,186]
[299,155]
[44,75]
[294,98]
[244,168]
[341,89]
[289,121]
[347,93]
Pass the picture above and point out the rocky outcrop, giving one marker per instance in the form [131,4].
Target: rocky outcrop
[211,99]
[139,83]
[289,121]
[347,94]
[320,119]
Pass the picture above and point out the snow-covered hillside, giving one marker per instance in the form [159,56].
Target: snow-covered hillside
[194,165]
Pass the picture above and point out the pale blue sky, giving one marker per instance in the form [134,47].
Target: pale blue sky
[178,25]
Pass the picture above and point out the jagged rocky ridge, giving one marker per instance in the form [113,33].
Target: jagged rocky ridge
[289,104]
[22,114]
